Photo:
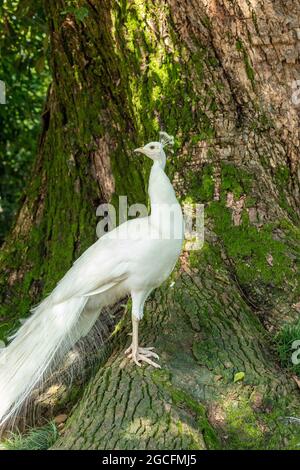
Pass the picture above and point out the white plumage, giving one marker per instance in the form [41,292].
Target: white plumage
[133,259]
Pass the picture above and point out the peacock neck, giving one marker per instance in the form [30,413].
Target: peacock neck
[162,197]
[166,213]
[160,190]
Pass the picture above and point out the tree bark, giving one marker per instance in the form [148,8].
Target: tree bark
[217,75]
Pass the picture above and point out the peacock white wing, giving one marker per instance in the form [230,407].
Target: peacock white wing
[105,264]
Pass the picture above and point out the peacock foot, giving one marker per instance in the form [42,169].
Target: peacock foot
[142,354]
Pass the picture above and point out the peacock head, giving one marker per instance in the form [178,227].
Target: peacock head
[152,150]
[155,150]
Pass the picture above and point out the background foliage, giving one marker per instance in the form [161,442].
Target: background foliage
[24,69]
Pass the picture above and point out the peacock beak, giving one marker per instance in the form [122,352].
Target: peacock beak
[139,150]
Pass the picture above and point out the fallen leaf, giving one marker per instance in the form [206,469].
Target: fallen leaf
[238,376]
[60,419]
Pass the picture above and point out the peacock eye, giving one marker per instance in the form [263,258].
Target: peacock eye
[152,147]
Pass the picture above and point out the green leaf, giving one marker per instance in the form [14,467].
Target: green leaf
[238,376]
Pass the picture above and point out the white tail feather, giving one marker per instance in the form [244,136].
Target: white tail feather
[43,339]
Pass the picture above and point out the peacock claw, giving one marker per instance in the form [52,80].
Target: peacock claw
[142,354]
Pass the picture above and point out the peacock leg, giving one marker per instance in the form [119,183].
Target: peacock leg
[136,353]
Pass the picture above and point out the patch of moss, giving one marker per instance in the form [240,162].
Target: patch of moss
[248,66]
[250,248]
[256,254]
[201,184]
[210,436]
[183,400]
[255,22]
[262,123]
[242,426]
[235,180]
[208,255]
[266,428]
[282,175]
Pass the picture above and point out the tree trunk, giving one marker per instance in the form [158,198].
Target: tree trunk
[217,75]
